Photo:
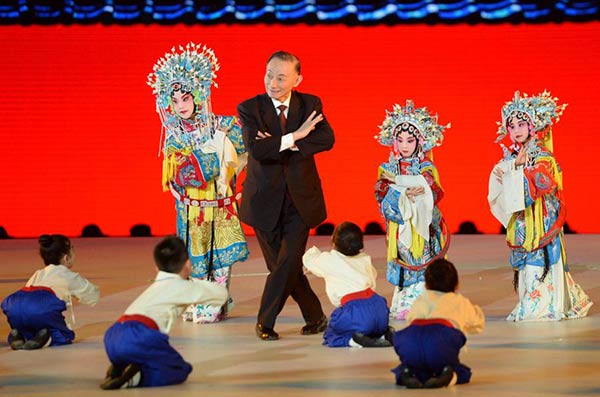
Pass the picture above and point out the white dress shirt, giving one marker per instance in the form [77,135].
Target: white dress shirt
[287,140]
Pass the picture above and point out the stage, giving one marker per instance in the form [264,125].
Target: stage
[507,359]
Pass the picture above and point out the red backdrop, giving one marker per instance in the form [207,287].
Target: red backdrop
[79,135]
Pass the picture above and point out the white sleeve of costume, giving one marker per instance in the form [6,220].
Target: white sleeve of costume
[222,146]
[312,260]
[508,196]
[474,319]
[87,292]
[32,279]
[419,213]
[373,274]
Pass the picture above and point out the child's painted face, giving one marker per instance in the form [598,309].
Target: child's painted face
[183,104]
[518,129]
[406,144]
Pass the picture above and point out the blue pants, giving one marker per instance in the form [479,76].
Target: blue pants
[427,349]
[368,316]
[30,311]
[132,342]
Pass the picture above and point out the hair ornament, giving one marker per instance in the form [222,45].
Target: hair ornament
[415,120]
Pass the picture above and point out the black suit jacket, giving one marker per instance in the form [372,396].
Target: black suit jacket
[270,171]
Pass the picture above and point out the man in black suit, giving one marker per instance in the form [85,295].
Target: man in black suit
[282,197]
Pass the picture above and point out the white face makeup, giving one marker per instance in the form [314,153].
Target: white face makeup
[518,128]
[183,104]
[406,144]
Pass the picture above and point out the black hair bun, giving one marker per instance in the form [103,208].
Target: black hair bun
[45,240]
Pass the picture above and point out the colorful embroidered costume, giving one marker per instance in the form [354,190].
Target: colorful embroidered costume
[203,154]
[527,199]
[416,231]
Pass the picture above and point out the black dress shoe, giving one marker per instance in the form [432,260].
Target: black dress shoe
[266,333]
[315,328]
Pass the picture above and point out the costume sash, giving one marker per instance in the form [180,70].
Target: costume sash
[147,321]
[364,294]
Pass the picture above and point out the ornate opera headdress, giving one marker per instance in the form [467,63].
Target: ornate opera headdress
[428,131]
[191,70]
[540,111]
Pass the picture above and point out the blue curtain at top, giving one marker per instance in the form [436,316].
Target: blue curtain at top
[351,12]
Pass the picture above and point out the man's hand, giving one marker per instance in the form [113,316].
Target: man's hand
[262,135]
[308,125]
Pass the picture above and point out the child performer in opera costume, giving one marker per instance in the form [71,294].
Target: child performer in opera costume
[35,311]
[361,316]
[138,343]
[525,195]
[203,154]
[408,191]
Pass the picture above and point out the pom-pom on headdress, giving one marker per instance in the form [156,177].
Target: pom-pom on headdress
[429,132]
[541,110]
[192,69]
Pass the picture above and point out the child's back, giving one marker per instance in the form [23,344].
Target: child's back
[168,296]
[343,274]
[65,283]
[449,306]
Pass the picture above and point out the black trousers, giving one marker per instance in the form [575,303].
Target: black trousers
[283,248]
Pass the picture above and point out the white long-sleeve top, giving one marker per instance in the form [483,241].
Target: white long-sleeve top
[343,274]
[168,296]
[65,283]
[508,196]
[449,306]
